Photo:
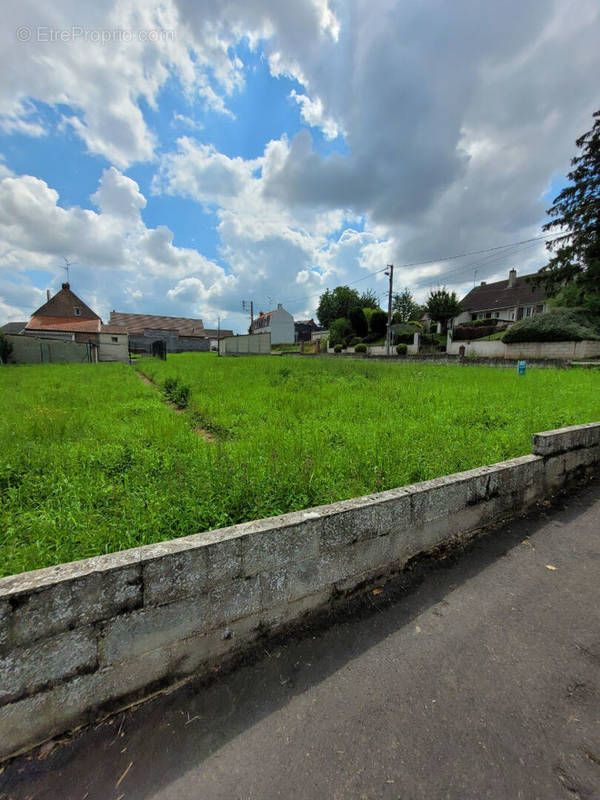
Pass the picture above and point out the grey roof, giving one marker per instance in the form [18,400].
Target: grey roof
[501,295]
[13,327]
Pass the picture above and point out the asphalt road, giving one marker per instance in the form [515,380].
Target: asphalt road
[475,677]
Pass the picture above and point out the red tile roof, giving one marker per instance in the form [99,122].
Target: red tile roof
[113,329]
[67,324]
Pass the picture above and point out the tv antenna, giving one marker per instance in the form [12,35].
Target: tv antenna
[68,264]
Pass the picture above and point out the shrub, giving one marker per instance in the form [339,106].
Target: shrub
[414,323]
[468,332]
[339,330]
[181,397]
[178,393]
[5,349]
[476,323]
[557,325]
[405,338]
[371,337]
[378,322]
[401,349]
[337,348]
[358,320]
[354,341]
[428,338]
[360,348]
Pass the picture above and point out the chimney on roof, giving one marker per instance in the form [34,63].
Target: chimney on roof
[66,286]
[48,295]
[512,278]
[279,306]
[482,283]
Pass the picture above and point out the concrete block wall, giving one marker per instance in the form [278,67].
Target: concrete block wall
[81,639]
[247,344]
[39,350]
[497,349]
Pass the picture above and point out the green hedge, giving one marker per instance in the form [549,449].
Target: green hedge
[556,325]
[468,332]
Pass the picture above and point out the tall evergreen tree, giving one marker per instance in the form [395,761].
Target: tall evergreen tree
[573,273]
[369,299]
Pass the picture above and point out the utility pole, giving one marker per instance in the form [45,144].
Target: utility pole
[249,305]
[218,336]
[475,271]
[388,334]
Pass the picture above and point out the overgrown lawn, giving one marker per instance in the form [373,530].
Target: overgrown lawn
[93,461]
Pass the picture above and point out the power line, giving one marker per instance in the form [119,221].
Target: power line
[502,247]
[493,258]
[473,252]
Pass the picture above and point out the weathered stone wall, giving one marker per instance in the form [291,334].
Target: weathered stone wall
[79,639]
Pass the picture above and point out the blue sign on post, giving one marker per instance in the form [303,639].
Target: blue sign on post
[521,366]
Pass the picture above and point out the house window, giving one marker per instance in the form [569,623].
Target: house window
[488,314]
[528,311]
[115,339]
[539,308]
[77,311]
[496,314]
[512,314]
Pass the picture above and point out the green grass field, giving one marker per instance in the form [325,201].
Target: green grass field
[92,460]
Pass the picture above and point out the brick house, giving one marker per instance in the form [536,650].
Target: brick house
[66,317]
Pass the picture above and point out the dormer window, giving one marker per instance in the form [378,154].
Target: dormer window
[77,311]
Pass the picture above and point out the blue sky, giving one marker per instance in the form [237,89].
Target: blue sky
[256,151]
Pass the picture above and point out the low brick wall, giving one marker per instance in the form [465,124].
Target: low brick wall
[84,638]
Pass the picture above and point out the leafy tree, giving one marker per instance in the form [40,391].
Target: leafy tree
[442,305]
[358,321]
[337,304]
[403,303]
[5,349]
[378,322]
[573,273]
[369,299]
[339,330]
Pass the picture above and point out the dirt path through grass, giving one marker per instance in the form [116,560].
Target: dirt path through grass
[202,432]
